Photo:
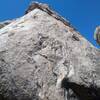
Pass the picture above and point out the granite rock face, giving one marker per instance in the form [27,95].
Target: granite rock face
[42,58]
[97,34]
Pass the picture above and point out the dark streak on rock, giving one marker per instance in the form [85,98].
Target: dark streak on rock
[82,92]
[75,38]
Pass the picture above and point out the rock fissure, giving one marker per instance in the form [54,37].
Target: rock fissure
[81,92]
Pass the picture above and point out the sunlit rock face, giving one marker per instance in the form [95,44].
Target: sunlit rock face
[42,57]
[97,34]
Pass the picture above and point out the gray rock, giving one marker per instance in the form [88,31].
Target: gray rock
[42,58]
[97,34]
[3,24]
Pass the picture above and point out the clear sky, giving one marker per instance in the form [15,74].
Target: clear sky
[84,15]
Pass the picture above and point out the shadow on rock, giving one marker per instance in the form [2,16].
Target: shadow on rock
[82,92]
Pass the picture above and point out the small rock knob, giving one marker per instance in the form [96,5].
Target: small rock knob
[97,34]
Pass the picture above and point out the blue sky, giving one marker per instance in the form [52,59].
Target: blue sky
[84,15]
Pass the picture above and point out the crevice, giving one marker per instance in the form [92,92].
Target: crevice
[46,57]
[82,92]
[75,38]
[2,97]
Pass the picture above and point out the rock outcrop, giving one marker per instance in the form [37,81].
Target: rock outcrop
[97,34]
[3,24]
[42,57]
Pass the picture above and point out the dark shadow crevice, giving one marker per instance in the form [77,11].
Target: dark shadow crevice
[82,92]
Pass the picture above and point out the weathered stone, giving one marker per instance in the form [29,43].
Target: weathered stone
[42,58]
[3,24]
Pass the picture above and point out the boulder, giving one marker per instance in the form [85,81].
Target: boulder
[43,57]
